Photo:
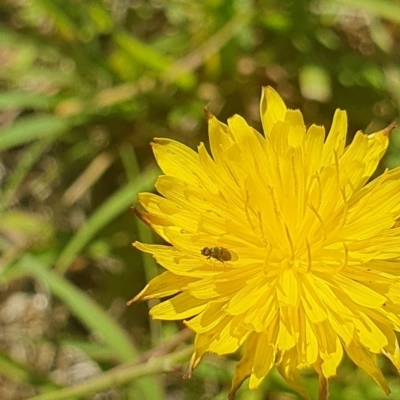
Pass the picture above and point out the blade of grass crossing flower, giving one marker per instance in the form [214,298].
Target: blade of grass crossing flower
[129,160]
[131,165]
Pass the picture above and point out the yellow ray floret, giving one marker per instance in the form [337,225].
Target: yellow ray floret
[279,246]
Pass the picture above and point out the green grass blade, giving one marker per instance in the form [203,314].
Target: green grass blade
[119,202]
[91,315]
[96,351]
[22,374]
[31,128]
[18,99]
[82,306]
[22,169]
[131,165]
[142,52]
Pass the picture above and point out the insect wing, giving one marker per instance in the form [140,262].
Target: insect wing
[232,256]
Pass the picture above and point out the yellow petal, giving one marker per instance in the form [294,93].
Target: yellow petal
[245,364]
[287,290]
[313,307]
[163,285]
[336,140]
[369,334]
[226,340]
[357,292]
[288,329]
[263,362]
[314,142]
[174,260]
[179,307]
[178,160]
[272,109]
[291,374]
[220,139]
[308,344]
[206,320]
[367,362]
[330,348]
[265,352]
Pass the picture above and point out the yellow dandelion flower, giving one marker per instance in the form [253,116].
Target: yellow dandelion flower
[279,246]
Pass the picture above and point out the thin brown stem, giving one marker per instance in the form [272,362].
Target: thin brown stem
[323,391]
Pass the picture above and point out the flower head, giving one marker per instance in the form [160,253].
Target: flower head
[279,245]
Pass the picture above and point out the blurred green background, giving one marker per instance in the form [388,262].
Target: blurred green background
[85,86]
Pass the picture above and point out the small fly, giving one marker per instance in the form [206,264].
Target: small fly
[219,253]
